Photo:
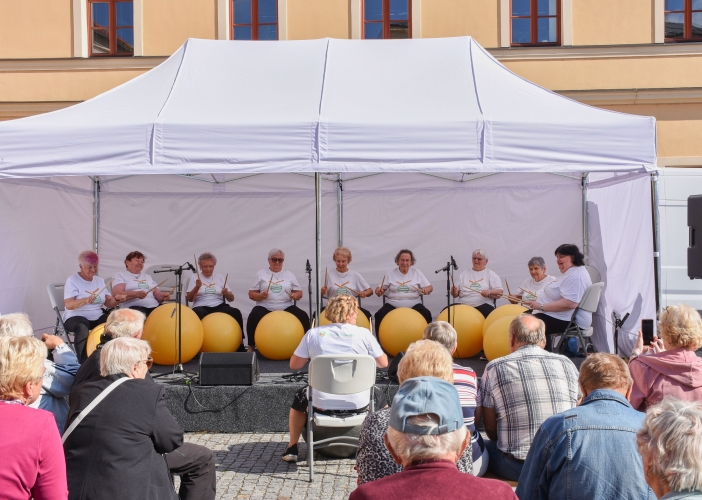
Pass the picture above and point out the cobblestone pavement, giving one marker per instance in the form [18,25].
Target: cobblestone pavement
[249,466]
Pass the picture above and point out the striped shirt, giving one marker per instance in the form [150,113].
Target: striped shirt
[525,388]
[465,381]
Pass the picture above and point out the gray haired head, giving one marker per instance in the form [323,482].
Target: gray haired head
[537,261]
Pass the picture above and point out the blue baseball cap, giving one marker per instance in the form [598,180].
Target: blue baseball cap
[422,395]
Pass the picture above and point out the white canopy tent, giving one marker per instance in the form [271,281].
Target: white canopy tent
[434,107]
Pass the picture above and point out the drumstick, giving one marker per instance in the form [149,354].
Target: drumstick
[452,282]
[354,291]
[269,283]
[507,283]
[225,281]
[154,288]
[103,288]
[381,284]
[197,267]
[418,289]
[527,291]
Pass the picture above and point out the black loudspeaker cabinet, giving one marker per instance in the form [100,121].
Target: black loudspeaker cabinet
[228,368]
[694,249]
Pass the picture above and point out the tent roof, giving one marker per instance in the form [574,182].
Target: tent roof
[430,105]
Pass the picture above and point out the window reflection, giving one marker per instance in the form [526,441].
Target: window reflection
[242,11]
[268,32]
[373,31]
[696,4]
[521,7]
[697,24]
[547,30]
[101,16]
[399,10]
[399,30]
[675,4]
[111,28]
[373,10]
[547,7]
[521,30]
[125,13]
[125,40]
[267,12]
[674,25]
[242,32]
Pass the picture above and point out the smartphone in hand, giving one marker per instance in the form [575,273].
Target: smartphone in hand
[647,330]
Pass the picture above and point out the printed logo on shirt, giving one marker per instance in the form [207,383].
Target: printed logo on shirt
[276,288]
[336,335]
[403,288]
[342,291]
[143,285]
[475,286]
[210,289]
[98,300]
[529,296]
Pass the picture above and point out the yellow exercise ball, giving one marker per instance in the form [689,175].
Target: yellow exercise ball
[510,310]
[400,328]
[468,322]
[496,341]
[160,332]
[278,334]
[361,320]
[221,333]
[94,339]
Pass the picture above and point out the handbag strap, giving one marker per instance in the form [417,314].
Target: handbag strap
[92,405]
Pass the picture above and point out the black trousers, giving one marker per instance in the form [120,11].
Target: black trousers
[383,311]
[196,467]
[554,326]
[235,313]
[485,309]
[145,310]
[80,328]
[258,312]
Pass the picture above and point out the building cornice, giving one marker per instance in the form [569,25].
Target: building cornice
[80,64]
[603,97]
[597,52]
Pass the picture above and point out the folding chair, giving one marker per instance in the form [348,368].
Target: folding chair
[55,291]
[594,274]
[589,303]
[337,374]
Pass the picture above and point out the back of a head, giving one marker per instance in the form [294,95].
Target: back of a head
[122,354]
[16,325]
[124,323]
[604,371]
[21,361]
[443,333]
[526,329]
[681,327]
[426,358]
[339,308]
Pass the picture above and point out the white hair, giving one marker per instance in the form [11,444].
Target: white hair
[671,438]
[537,261]
[16,325]
[207,256]
[122,355]
[480,251]
[414,447]
[275,251]
[124,323]
[443,333]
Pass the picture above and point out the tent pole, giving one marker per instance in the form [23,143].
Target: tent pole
[340,209]
[586,251]
[318,238]
[656,240]
[96,212]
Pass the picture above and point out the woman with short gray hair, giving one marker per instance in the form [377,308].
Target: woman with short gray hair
[538,281]
[275,289]
[208,292]
[478,287]
[670,444]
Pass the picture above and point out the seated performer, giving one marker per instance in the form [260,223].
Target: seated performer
[538,281]
[275,289]
[84,297]
[140,289]
[208,294]
[478,287]
[403,287]
[343,281]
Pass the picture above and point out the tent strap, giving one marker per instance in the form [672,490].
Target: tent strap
[96,212]
[586,251]
[655,220]
[318,238]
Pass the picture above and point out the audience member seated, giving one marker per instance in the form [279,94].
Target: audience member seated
[194,463]
[59,374]
[520,391]
[342,336]
[590,451]
[466,382]
[670,444]
[30,444]
[115,451]
[424,358]
[426,435]
[670,366]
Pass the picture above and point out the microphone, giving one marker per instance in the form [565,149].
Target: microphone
[453,263]
[308,268]
[190,267]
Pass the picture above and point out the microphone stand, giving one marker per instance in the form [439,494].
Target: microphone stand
[618,323]
[308,272]
[447,270]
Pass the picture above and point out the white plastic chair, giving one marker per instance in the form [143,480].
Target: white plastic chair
[55,291]
[594,274]
[337,374]
[589,303]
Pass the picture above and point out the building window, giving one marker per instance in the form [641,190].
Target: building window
[255,19]
[111,28]
[536,22]
[387,19]
[683,20]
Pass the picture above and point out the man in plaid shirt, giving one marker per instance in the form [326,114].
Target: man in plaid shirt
[520,391]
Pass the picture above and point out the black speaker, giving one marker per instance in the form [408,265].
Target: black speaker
[228,368]
[694,249]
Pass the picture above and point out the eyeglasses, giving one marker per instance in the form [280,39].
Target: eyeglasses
[276,261]
[149,362]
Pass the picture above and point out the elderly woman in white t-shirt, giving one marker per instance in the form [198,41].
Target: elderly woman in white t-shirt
[479,286]
[139,287]
[538,281]
[275,289]
[554,304]
[340,280]
[84,296]
[208,293]
[403,287]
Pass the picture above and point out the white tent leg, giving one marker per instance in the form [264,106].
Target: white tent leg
[96,212]
[656,240]
[318,237]
[586,252]
[340,209]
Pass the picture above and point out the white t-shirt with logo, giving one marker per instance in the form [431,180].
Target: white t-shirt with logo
[210,293]
[477,281]
[570,285]
[77,288]
[530,285]
[339,283]
[339,338]
[132,282]
[402,288]
[282,284]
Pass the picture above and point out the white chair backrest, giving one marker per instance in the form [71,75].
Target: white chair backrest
[56,295]
[342,373]
[594,274]
[591,298]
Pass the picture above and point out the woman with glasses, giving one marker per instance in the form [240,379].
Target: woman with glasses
[140,289]
[85,297]
[275,289]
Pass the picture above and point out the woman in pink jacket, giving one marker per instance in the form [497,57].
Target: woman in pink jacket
[670,366]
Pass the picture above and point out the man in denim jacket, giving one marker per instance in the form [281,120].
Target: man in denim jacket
[590,451]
